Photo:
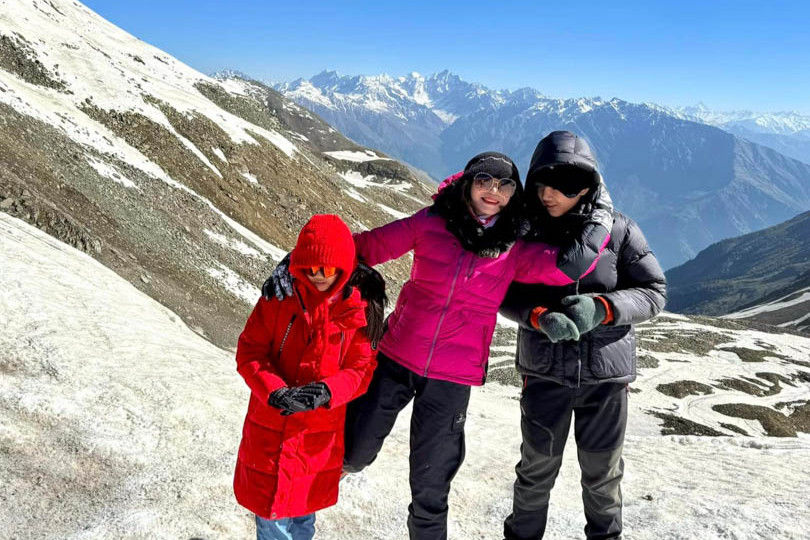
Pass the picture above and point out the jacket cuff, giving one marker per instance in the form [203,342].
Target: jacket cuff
[609,317]
[534,316]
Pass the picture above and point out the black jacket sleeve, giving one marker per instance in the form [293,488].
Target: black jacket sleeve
[641,289]
[522,298]
[518,303]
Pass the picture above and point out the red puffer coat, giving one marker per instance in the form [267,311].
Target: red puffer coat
[290,466]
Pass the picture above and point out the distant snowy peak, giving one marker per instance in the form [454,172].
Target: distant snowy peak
[444,94]
[780,123]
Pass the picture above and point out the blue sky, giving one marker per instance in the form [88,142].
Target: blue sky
[728,54]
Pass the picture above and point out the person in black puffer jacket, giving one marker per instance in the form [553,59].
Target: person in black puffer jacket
[576,344]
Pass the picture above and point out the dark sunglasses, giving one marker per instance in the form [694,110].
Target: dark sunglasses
[540,187]
[504,186]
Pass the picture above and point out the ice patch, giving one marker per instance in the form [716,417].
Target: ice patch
[396,213]
[220,154]
[351,192]
[235,284]
[231,243]
[108,171]
[357,157]
[250,178]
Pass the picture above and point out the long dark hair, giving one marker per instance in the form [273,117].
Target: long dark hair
[371,285]
[453,204]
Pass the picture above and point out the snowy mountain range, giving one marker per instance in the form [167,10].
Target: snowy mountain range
[688,183]
[132,430]
[779,123]
[189,187]
[786,132]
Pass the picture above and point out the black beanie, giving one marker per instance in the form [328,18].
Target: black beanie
[494,163]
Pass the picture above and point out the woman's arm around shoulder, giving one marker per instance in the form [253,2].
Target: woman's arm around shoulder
[391,241]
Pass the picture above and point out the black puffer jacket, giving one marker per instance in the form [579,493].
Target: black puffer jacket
[627,275]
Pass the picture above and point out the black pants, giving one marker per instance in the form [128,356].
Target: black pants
[437,438]
[600,419]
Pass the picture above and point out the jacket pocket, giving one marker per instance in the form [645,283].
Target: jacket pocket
[612,352]
[535,352]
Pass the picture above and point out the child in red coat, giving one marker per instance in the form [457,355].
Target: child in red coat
[303,358]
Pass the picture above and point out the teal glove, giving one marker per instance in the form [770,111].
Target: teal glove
[557,327]
[586,312]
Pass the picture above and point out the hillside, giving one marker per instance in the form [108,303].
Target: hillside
[189,187]
[741,272]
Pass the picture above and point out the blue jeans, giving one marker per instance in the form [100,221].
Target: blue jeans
[296,528]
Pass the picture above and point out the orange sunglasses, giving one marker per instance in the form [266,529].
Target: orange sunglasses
[327,271]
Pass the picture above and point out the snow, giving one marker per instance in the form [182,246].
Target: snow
[775,305]
[446,117]
[396,213]
[234,284]
[357,179]
[108,171]
[250,178]
[196,151]
[98,63]
[103,65]
[358,157]
[132,430]
[116,420]
[351,192]
[220,154]
[715,367]
[232,243]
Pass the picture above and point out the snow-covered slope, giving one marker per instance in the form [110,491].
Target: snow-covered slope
[189,187]
[117,421]
[788,311]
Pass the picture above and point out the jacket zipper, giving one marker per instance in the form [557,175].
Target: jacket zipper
[286,335]
[444,312]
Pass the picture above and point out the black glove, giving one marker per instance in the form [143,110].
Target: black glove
[317,393]
[289,400]
[557,327]
[279,284]
[586,312]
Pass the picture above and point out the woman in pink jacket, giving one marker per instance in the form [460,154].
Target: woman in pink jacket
[466,252]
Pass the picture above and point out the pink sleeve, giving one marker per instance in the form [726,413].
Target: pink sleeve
[537,263]
[388,242]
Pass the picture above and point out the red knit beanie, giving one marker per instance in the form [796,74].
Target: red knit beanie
[324,241]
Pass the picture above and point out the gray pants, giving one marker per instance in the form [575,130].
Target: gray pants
[600,418]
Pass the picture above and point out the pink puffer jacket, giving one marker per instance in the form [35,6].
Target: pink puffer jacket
[442,325]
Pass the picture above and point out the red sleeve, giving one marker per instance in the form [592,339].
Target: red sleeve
[354,377]
[388,242]
[253,358]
